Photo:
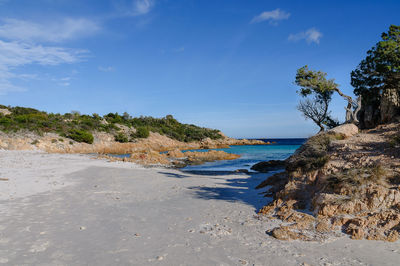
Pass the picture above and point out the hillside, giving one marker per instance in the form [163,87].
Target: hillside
[79,127]
[340,181]
[144,137]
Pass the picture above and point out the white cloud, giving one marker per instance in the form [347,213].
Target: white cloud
[54,31]
[136,8]
[143,6]
[272,16]
[24,42]
[106,69]
[310,35]
[16,54]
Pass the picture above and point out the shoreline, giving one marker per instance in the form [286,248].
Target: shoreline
[90,211]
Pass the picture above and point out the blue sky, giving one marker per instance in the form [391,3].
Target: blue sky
[226,64]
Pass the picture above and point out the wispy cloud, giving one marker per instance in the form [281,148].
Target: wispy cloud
[134,7]
[272,16]
[26,43]
[142,6]
[179,50]
[310,36]
[106,69]
[54,31]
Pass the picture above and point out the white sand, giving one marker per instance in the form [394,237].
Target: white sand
[74,210]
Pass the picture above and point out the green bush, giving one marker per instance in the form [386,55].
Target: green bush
[80,136]
[121,137]
[141,132]
[65,125]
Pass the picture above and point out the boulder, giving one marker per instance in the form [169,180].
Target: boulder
[209,156]
[267,166]
[348,130]
[5,111]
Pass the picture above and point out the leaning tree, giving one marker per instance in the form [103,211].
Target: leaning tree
[315,83]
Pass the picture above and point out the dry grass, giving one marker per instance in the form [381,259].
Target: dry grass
[359,177]
[313,154]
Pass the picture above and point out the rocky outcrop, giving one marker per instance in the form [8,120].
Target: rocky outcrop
[390,105]
[209,156]
[5,111]
[267,166]
[354,189]
[174,158]
[347,130]
[381,109]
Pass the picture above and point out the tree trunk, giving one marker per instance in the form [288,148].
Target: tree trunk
[349,108]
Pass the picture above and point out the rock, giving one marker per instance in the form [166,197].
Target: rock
[390,104]
[175,154]
[149,157]
[324,226]
[348,130]
[284,233]
[267,166]
[209,156]
[5,111]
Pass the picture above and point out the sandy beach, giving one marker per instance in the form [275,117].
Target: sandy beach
[69,209]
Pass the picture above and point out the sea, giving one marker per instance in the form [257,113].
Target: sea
[280,149]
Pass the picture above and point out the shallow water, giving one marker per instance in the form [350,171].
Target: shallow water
[251,154]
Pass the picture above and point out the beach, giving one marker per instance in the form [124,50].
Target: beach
[70,209]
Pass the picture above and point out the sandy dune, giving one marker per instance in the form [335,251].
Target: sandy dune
[74,210]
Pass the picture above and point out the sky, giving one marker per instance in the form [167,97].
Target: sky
[226,64]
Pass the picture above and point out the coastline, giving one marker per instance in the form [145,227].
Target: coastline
[97,212]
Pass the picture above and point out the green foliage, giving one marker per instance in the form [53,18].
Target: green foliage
[394,141]
[141,132]
[80,136]
[29,119]
[379,70]
[121,137]
[314,82]
[170,127]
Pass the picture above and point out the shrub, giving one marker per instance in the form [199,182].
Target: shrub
[30,119]
[121,137]
[141,132]
[313,154]
[80,136]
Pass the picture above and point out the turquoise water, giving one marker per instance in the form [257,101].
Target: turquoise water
[249,156]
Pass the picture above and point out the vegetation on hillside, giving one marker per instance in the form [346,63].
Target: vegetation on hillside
[80,127]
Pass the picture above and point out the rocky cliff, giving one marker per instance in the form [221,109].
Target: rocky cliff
[339,181]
